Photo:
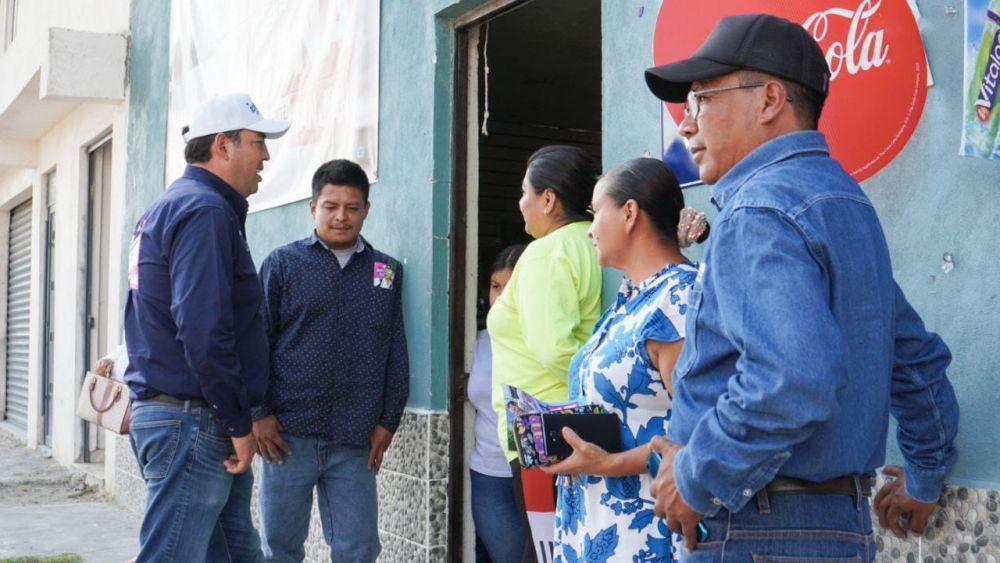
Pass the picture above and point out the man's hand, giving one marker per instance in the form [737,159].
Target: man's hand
[893,502]
[680,517]
[586,458]
[270,444]
[379,444]
[104,367]
[690,226]
[239,462]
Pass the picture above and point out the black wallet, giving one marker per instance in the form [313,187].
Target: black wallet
[604,430]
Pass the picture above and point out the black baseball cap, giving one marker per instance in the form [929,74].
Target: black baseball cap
[760,42]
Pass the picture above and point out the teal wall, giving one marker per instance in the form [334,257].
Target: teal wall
[930,200]
[147,112]
[409,216]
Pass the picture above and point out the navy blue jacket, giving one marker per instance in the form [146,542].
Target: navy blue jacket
[338,349]
[192,320]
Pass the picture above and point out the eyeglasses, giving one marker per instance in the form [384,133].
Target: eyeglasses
[694,99]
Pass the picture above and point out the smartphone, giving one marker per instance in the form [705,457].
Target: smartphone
[653,465]
[603,430]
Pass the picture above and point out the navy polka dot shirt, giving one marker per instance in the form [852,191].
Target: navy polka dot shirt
[338,350]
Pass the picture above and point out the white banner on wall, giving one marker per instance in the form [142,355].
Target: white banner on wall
[312,62]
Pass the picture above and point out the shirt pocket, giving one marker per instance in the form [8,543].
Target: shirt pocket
[690,349]
[376,311]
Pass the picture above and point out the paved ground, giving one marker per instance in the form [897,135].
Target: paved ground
[45,509]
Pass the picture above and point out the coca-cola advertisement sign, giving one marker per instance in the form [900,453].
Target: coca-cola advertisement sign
[876,57]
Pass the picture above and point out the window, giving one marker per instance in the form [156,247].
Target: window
[9,21]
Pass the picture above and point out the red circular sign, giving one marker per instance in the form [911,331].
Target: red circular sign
[875,53]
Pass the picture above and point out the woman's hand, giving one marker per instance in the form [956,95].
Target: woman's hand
[587,457]
[103,367]
[590,459]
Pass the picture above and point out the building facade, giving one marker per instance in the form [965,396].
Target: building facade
[63,86]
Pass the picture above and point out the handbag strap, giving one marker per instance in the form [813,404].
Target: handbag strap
[113,399]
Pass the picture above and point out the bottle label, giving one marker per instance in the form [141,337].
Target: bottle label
[991,74]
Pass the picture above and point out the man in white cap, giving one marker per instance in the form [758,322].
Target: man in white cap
[799,342]
[198,351]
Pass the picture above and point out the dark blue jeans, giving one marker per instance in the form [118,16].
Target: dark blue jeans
[195,510]
[498,521]
[790,528]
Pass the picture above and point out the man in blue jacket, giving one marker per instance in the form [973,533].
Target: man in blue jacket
[197,343]
[799,342]
[339,375]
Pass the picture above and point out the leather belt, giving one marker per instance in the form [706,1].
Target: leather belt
[169,400]
[838,485]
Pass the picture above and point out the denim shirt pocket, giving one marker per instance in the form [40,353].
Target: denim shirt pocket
[690,349]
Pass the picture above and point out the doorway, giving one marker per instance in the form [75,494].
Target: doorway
[527,75]
[49,295]
[96,315]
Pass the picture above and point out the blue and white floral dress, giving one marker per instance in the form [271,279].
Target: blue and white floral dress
[611,518]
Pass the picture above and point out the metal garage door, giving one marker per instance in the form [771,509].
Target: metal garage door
[18,307]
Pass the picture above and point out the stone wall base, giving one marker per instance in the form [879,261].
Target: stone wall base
[966,528]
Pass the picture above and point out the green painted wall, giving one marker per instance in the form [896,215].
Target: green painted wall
[410,203]
[147,112]
[930,200]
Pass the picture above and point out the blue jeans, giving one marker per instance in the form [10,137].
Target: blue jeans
[790,528]
[348,501]
[195,510]
[497,519]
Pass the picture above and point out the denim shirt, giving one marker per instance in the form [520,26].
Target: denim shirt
[799,342]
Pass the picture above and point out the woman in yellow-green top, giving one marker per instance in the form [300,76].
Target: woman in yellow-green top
[547,311]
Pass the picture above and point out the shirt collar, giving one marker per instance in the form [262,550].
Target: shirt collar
[627,290]
[236,201]
[358,248]
[775,150]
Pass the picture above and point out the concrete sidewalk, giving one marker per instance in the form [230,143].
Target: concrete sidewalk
[47,509]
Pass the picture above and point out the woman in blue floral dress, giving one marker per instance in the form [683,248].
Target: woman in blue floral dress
[604,509]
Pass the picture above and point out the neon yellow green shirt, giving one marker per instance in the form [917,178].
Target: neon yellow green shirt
[544,315]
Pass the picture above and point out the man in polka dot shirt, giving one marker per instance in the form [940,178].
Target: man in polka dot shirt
[339,375]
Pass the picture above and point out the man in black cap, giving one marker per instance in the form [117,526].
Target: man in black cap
[799,342]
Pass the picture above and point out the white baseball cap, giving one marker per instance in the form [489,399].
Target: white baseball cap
[229,112]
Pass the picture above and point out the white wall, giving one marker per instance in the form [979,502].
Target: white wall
[58,130]
[64,149]
[25,54]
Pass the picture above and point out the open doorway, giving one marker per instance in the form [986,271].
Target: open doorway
[527,76]
[98,256]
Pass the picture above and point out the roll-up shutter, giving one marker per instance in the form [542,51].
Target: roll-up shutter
[18,317]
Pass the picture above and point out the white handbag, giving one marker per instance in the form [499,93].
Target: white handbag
[105,402]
